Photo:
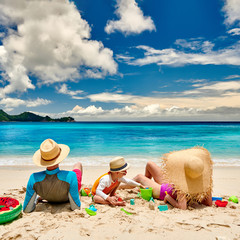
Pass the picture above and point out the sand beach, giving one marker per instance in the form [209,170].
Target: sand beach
[57,221]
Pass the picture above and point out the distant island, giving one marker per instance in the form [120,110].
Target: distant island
[31,117]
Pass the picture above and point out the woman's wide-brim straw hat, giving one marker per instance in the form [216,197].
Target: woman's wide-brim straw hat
[50,153]
[190,171]
[118,164]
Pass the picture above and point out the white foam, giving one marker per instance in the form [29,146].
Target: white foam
[138,161]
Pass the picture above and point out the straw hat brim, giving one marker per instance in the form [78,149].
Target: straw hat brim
[39,161]
[122,169]
[194,188]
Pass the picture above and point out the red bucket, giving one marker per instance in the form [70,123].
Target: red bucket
[219,203]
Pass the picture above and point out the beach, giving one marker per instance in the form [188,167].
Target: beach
[57,221]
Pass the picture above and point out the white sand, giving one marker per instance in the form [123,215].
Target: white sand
[59,222]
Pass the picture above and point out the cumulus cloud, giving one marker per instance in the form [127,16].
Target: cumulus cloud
[205,101]
[51,41]
[131,19]
[14,73]
[149,112]
[64,90]
[9,103]
[232,12]
[174,57]
[90,110]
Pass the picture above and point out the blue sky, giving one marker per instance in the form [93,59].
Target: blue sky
[124,60]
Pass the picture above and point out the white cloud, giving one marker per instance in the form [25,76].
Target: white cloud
[51,42]
[14,73]
[232,11]
[64,90]
[10,103]
[195,45]
[233,76]
[200,96]
[152,109]
[110,97]
[150,112]
[2,34]
[90,110]
[215,90]
[234,31]
[173,57]
[131,19]
[37,102]
[222,86]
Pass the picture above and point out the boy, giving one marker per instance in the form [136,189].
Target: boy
[106,185]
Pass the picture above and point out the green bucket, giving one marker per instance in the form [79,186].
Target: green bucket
[233,199]
[146,193]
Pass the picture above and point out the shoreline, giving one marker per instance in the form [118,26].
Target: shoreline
[99,161]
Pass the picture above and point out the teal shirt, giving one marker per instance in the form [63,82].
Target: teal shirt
[54,186]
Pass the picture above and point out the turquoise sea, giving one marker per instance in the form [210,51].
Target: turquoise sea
[95,143]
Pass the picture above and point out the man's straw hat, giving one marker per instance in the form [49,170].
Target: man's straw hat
[118,164]
[190,171]
[50,153]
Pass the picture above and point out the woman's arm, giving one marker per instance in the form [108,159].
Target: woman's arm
[181,203]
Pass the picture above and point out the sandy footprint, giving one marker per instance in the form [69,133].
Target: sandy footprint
[218,225]
[188,226]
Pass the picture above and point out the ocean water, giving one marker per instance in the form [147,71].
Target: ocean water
[95,144]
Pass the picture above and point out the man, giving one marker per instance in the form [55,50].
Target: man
[53,184]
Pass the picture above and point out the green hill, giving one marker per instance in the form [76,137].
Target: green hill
[31,117]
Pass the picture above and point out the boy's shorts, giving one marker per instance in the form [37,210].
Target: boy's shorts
[79,177]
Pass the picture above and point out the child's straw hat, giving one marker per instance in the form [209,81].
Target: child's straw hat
[118,164]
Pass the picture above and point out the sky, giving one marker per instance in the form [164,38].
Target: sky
[121,60]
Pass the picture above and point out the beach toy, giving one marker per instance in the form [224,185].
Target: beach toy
[92,207]
[219,203]
[233,199]
[151,199]
[216,198]
[128,213]
[120,199]
[132,201]
[85,192]
[10,209]
[146,193]
[90,212]
[163,207]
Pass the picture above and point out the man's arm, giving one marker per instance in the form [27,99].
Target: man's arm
[73,194]
[30,200]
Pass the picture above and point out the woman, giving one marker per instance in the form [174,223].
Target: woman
[186,176]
